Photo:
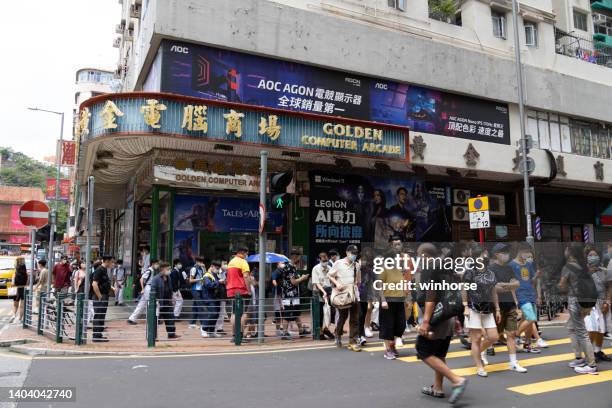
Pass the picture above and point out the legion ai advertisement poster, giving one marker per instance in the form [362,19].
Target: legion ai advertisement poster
[365,210]
[207,72]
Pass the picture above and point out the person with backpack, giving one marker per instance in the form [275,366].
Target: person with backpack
[161,284]
[482,313]
[145,282]
[581,297]
[595,322]
[436,329]
[196,279]
[210,291]
[177,279]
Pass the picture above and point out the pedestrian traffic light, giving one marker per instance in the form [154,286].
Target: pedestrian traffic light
[279,197]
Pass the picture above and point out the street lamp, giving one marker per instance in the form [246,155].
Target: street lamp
[57,186]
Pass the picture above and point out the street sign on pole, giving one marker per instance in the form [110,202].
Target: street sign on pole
[262,217]
[479,219]
[479,214]
[34,214]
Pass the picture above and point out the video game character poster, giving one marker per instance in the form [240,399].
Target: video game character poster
[355,209]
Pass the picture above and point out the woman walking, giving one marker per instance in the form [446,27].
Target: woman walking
[20,281]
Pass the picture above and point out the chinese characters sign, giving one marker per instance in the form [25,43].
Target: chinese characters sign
[230,76]
[219,121]
[68,153]
[64,192]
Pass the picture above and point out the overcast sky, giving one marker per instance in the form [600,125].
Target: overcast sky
[43,44]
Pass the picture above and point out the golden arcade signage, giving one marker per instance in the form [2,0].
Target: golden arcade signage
[173,115]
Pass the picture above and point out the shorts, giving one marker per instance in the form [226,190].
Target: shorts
[529,312]
[508,321]
[291,313]
[477,320]
[595,321]
[20,294]
[427,347]
[392,321]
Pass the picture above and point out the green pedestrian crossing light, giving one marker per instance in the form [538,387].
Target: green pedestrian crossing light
[279,197]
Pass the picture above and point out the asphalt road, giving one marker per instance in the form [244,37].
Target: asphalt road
[306,379]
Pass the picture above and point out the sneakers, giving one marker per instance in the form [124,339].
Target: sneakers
[531,350]
[608,336]
[601,356]
[482,372]
[399,342]
[368,332]
[541,343]
[204,334]
[354,347]
[362,341]
[483,358]
[286,336]
[586,370]
[133,323]
[491,351]
[578,362]
[192,326]
[517,368]
[395,352]
[389,355]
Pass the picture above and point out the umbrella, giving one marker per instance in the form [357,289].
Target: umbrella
[271,257]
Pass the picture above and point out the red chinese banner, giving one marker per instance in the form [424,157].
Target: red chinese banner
[68,152]
[64,192]
[19,239]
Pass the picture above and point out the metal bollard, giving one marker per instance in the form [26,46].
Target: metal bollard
[151,319]
[41,300]
[59,311]
[80,302]
[27,310]
[315,309]
[238,311]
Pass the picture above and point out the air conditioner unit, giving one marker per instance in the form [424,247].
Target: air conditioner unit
[497,205]
[460,213]
[119,28]
[461,196]
[116,42]
[135,11]
[599,19]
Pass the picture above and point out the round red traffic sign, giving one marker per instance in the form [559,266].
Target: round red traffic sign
[34,214]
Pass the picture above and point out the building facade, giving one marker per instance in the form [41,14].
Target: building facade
[327,87]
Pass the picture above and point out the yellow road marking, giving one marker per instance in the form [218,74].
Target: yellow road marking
[500,349]
[405,346]
[525,363]
[562,383]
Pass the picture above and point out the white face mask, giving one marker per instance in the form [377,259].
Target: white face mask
[529,259]
[281,265]
[352,257]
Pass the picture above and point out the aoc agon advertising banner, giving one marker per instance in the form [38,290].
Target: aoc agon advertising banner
[355,209]
[206,72]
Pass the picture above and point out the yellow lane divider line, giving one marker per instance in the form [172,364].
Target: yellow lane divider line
[405,346]
[529,362]
[500,349]
[562,383]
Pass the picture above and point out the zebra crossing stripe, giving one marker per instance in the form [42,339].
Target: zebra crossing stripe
[528,362]
[467,353]
[562,383]
[404,347]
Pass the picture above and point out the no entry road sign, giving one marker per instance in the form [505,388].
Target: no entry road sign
[34,214]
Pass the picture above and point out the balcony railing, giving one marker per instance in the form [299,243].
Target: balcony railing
[584,48]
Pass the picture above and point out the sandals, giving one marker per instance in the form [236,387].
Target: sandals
[458,391]
[429,390]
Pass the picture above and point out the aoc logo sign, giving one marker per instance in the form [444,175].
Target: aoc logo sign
[180,49]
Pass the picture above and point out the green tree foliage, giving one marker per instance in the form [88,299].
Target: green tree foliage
[443,10]
[19,170]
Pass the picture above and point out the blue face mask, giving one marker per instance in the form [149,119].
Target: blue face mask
[593,260]
[352,257]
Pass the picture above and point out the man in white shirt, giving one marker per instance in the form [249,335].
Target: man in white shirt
[345,273]
[322,285]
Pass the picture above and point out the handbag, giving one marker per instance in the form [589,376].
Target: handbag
[449,306]
[326,315]
[343,299]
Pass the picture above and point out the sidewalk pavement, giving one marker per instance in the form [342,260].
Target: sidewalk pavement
[130,340]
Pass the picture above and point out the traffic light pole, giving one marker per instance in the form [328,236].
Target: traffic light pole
[524,167]
[262,247]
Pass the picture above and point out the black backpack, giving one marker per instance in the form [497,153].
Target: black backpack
[586,291]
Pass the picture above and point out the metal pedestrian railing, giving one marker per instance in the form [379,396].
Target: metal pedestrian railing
[72,318]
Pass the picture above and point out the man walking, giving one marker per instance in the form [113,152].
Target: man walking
[161,285]
[61,276]
[345,275]
[177,279]
[119,276]
[145,282]
[238,276]
[196,279]
[321,283]
[101,288]
[290,292]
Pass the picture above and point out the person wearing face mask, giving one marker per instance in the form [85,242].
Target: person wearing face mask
[211,299]
[345,272]
[595,321]
[177,278]
[321,283]
[526,294]
[607,264]
[145,282]
[222,296]
[508,304]
[161,284]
